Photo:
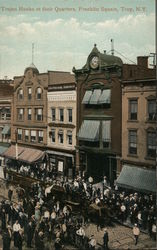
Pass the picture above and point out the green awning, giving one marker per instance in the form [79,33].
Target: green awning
[89,131]
[3,149]
[95,96]
[139,179]
[87,97]
[105,96]
[106,131]
[6,130]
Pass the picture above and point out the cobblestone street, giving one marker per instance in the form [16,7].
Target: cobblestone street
[121,237]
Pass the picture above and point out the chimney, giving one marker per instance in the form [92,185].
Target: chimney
[142,61]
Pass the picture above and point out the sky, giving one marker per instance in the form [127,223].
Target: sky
[64,32]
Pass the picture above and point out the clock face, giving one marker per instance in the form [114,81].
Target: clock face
[94,63]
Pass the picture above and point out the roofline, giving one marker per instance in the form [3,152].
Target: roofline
[59,71]
[138,80]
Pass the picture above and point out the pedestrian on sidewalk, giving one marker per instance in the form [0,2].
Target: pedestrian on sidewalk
[105,239]
[136,233]
[10,193]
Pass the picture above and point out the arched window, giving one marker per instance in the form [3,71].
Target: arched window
[39,93]
[20,94]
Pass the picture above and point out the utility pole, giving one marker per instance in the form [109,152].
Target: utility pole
[32,52]
[112,47]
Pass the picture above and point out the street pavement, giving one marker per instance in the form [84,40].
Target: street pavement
[120,236]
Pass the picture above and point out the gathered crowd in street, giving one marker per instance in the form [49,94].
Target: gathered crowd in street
[41,219]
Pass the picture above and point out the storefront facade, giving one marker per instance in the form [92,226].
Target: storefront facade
[98,148]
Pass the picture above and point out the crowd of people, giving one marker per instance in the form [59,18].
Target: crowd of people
[40,219]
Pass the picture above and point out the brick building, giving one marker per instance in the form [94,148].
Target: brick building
[138,125]
[6,94]
[99,116]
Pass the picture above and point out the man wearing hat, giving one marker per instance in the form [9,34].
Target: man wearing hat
[105,239]
[136,233]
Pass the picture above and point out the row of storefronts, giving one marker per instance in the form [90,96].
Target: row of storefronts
[66,124]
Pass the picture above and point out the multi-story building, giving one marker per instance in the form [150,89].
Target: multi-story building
[29,124]
[138,126]
[99,115]
[30,117]
[62,126]
[6,94]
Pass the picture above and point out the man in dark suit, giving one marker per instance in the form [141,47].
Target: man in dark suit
[105,239]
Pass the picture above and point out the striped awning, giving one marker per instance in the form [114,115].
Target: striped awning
[95,96]
[139,179]
[87,97]
[106,131]
[24,154]
[105,96]
[89,130]
[6,130]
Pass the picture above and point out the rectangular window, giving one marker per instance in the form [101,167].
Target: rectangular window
[133,142]
[38,93]
[61,115]
[39,114]
[29,114]
[33,135]
[19,134]
[20,114]
[151,144]
[53,110]
[133,109]
[26,135]
[29,93]
[69,137]
[152,110]
[53,138]
[60,136]
[20,94]
[69,115]
[40,136]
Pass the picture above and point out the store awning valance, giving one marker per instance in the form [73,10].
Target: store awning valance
[89,130]
[24,154]
[139,179]
[105,97]
[6,130]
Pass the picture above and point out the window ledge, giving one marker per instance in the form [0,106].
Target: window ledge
[132,155]
[150,158]
[132,121]
[151,121]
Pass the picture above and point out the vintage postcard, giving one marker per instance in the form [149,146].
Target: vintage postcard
[78,124]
